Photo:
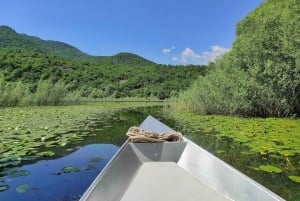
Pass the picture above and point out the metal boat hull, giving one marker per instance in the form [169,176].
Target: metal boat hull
[122,177]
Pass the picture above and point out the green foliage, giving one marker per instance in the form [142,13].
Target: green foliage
[222,91]
[18,93]
[267,48]
[48,93]
[51,70]
[260,76]
[13,94]
[116,79]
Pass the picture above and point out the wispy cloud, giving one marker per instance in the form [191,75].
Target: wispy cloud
[190,56]
[168,50]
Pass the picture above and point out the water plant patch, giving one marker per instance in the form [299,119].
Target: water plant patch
[33,133]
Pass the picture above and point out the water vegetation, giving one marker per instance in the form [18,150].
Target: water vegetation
[32,133]
[266,149]
[22,188]
[269,168]
[4,188]
[266,136]
[295,178]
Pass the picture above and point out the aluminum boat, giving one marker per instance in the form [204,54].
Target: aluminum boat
[171,171]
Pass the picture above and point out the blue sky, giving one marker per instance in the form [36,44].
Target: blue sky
[164,31]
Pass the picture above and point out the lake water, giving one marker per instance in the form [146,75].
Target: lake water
[66,176]
[75,166]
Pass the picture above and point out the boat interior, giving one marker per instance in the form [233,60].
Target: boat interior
[171,171]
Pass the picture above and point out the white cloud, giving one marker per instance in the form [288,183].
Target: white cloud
[215,52]
[168,50]
[175,59]
[188,55]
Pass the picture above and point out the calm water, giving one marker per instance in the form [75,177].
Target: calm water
[67,176]
[75,166]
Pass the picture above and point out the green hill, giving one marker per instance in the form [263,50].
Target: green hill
[34,62]
[10,39]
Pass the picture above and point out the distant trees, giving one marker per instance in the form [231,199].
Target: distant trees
[48,78]
[37,65]
[260,76]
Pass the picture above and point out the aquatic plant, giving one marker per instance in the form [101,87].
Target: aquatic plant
[34,133]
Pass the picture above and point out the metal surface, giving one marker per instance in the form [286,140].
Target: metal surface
[119,175]
[167,181]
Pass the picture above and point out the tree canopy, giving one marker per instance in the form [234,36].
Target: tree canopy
[260,76]
[31,61]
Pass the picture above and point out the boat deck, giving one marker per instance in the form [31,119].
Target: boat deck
[171,171]
[161,181]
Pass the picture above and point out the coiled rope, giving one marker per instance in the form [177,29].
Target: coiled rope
[137,134]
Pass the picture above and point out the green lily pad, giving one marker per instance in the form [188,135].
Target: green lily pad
[10,163]
[47,153]
[295,178]
[15,172]
[22,188]
[96,159]
[219,151]
[70,169]
[4,188]
[62,144]
[269,168]
[90,167]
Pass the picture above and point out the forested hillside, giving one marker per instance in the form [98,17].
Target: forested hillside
[260,76]
[29,65]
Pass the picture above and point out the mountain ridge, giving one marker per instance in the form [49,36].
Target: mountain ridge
[11,39]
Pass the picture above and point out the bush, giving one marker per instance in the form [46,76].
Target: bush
[49,93]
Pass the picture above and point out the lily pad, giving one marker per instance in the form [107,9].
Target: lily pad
[90,167]
[219,151]
[10,163]
[269,168]
[295,178]
[15,172]
[96,159]
[70,169]
[22,188]
[4,188]
[47,153]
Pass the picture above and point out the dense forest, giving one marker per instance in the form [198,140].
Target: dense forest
[34,71]
[260,76]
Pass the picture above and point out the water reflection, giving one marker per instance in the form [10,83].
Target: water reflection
[64,179]
[67,175]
